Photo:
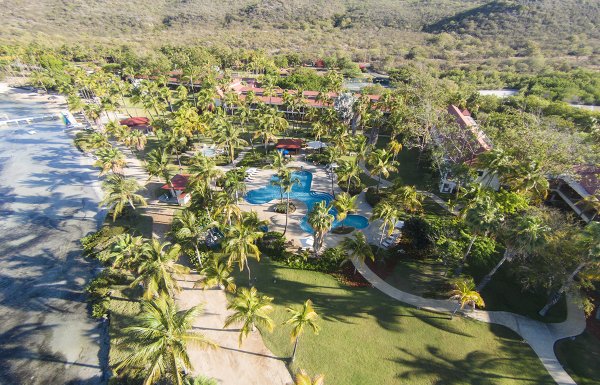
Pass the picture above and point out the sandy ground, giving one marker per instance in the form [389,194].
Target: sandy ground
[48,201]
[229,364]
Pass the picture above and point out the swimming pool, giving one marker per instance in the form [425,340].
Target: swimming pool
[303,193]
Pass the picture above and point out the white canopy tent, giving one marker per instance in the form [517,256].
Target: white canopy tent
[316,145]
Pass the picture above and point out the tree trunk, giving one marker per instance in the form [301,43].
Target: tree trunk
[488,277]
[287,209]
[556,296]
[198,254]
[295,348]
[461,264]
[249,277]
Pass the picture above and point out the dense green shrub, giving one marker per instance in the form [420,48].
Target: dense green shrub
[372,196]
[355,188]
[96,241]
[99,290]
[272,244]
[328,262]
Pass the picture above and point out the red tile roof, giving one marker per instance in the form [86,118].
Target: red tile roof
[290,144]
[135,121]
[589,178]
[179,182]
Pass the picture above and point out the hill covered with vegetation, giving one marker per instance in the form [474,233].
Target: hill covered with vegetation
[370,30]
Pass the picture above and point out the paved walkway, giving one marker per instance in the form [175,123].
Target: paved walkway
[539,335]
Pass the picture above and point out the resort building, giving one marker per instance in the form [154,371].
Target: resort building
[571,192]
[460,145]
[176,189]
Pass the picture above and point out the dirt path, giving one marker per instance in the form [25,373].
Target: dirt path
[230,364]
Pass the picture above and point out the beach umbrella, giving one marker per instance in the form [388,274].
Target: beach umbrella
[307,242]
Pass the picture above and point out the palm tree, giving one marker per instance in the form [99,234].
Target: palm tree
[269,123]
[116,130]
[302,378]
[344,203]
[120,193]
[287,184]
[233,183]
[522,235]
[465,293]
[189,227]
[408,199]
[381,164]
[358,248]
[388,213]
[394,147]
[158,340]
[89,140]
[136,139]
[157,165]
[126,251]
[349,172]
[300,319]
[216,274]
[251,309]
[590,241]
[226,206]
[240,244]
[110,159]
[158,270]
[531,179]
[229,136]
[321,221]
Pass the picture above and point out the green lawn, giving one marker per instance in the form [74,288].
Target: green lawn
[413,169]
[368,338]
[420,277]
[580,358]
[123,309]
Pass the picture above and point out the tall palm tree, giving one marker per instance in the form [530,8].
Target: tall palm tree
[287,184]
[135,139]
[590,241]
[226,207]
[120,193]
[216,274]
[302,378]
[250,309]
[465,293]
[358,248]
[349,172]
[158,270]
[190,228]
[116,130]
[157,165]
[240,244]
[381,163]
[301,319]
[344,203]
[521,235]
[321,221]
[110,159]
[229,136]
[270,123]
[158,340]
[408,199]
[394,147]
[529,178]
[388,213]
[233,183]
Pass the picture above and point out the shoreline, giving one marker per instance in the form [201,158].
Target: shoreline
[53,194]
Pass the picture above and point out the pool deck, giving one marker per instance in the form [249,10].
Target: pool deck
[321,182]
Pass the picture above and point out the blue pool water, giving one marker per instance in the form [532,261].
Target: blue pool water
[303,193]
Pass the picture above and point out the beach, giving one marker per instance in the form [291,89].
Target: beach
[49,198]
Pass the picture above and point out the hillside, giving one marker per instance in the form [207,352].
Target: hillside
[363,29]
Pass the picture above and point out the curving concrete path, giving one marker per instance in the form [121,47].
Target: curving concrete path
[539,335]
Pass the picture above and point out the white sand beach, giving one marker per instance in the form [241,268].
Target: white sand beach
[48,201]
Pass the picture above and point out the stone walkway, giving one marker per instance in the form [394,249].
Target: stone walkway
[539,335]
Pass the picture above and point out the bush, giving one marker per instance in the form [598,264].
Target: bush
[418,233]
[281,207]
[355,188]
[99,290]
[328,262]
[272,244]
[94,242]
[372,196]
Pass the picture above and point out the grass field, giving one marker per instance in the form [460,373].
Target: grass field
[368,338]
[580,357]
